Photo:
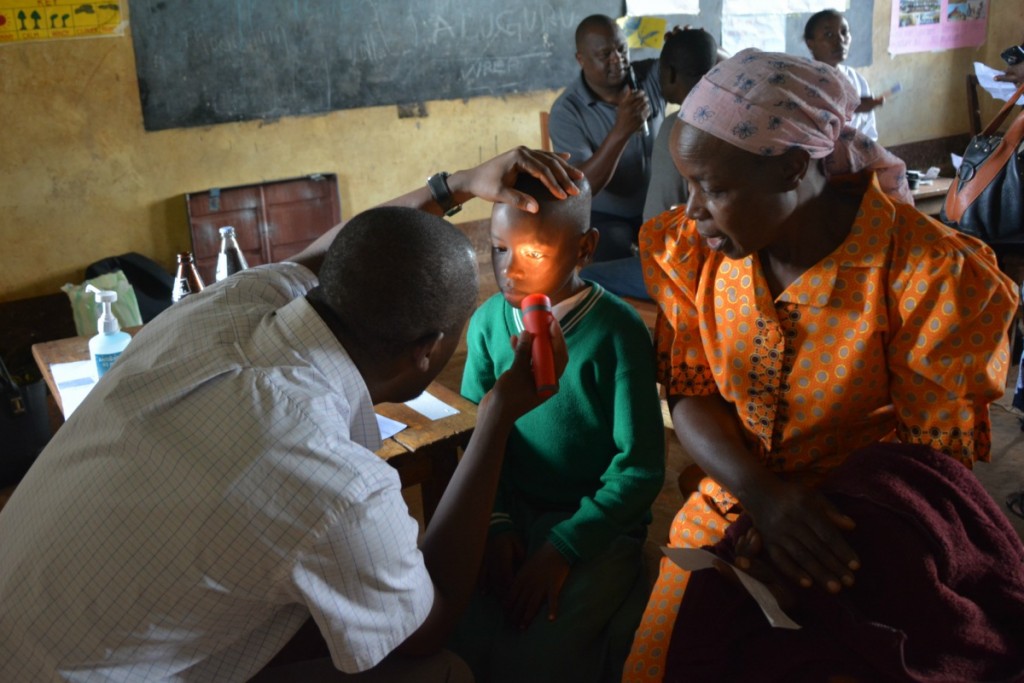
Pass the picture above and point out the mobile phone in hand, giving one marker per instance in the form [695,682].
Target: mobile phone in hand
[1013,55]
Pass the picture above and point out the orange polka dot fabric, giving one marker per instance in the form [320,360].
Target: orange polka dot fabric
[898,334]
[701,521]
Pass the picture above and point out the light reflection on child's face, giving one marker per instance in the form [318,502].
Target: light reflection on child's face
[530,257]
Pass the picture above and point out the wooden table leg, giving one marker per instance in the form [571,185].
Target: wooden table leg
[443,458]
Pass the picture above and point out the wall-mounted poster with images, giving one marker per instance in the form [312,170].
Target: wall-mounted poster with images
[33,20]
[928,25]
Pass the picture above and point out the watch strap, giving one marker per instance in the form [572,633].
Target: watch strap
[442,194]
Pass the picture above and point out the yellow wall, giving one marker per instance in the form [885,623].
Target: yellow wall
[80,179]
[933,100]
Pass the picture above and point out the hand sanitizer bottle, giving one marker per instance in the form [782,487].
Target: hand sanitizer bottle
[106,346]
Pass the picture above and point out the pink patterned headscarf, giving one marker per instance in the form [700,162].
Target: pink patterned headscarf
[769,102]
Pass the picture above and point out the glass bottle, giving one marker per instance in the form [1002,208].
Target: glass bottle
[230,260]
[187,280]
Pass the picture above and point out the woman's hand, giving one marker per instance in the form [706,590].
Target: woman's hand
[539,581]
[801,533]
[748,556]
[494,180]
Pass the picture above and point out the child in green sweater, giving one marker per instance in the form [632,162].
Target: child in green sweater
[563,578]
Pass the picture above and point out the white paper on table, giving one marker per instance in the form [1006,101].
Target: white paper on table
[430,406]
[693,559]
[997,89]
[388,427]
[74,382]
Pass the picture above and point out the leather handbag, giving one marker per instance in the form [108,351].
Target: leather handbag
[986,197]
[24,425]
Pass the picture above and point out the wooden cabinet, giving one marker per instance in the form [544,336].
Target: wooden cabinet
[273,220]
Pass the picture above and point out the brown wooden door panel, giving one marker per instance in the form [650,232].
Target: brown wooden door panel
[296,222]
[273,220]
[301,189]
[218,200]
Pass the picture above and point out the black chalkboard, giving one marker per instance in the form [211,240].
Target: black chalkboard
[201,62]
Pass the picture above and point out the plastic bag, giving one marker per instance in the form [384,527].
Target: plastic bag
[86,311]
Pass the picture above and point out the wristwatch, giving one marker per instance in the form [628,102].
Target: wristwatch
[442,194]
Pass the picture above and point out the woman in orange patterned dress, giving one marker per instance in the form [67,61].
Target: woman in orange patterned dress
[807,310]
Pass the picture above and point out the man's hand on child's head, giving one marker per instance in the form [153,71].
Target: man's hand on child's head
[494,179]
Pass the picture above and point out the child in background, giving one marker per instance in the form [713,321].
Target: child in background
[827,36]
[563,580]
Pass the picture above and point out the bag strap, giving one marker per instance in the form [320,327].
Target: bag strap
[993,126]
[957,201]
[12,392]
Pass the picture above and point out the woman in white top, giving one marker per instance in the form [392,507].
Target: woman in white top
[827,36]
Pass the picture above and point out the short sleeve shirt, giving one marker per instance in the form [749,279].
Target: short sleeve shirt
[580,122]
[216,488]
[863,121]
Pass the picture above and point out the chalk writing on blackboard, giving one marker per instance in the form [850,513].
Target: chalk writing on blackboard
[210,61]
[201,62]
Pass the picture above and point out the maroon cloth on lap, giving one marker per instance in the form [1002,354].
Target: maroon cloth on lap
[939,597]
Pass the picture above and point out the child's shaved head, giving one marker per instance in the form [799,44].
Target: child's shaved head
[573,212]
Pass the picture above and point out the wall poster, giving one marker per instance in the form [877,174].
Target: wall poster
[34,20]
[930,25]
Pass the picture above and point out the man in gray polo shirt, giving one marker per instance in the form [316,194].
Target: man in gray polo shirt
[600,121]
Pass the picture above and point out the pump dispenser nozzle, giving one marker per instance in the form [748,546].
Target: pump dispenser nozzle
[107,323]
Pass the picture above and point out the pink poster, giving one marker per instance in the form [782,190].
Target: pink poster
[928,25]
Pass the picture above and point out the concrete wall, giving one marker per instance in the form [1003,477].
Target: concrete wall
[80,179]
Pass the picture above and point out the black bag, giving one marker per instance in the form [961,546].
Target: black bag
[24,426]
[152,284]
[986,199]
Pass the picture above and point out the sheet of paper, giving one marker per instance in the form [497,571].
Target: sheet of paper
[74,382]
[388,427]
[693,559]
[997,89]
[428,405]
[763,31]
[803,6]
[637,8]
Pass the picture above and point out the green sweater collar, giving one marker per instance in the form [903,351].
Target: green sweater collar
[570,319]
